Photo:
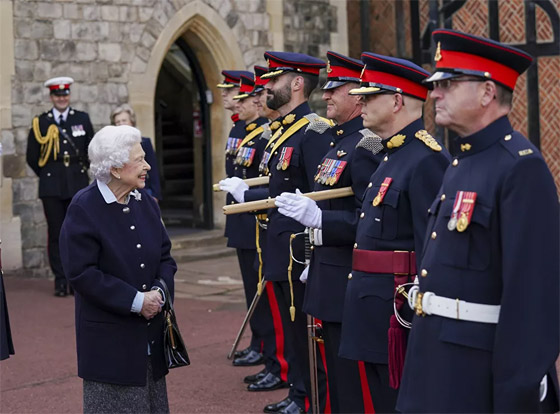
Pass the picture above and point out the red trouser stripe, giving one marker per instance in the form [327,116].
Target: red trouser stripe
[279,331]
[366,394]
[324,359]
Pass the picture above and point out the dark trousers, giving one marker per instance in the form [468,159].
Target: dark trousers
[383,396]
[295,340]
[345,389]
[55,211]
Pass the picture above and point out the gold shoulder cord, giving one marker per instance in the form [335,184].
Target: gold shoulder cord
[49,142]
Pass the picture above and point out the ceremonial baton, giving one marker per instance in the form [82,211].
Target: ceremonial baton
[251,182]
[269,202]
[250,312]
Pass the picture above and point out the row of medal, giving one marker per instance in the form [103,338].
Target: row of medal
[78,130]
[329,172]
[462,211]
[245,156]
[232,145]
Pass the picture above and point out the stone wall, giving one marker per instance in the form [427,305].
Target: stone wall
[103,45]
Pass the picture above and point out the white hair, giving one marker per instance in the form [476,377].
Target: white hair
[110,147]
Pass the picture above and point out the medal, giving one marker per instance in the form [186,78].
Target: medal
[466,210]
[452,224]
[382,191]
[462,223]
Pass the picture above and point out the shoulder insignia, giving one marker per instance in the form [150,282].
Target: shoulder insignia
[288,119]
[527,151]
[396,141]
[317,123]
[370,141]
[427,139]
[250,127]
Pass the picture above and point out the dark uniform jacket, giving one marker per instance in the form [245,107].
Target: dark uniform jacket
[293,164]
[109,253]
[153,186]
[397,223]
[56,179]
[332,261]
[240,231]
[507,256]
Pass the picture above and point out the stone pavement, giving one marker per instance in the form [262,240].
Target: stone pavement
[42,376]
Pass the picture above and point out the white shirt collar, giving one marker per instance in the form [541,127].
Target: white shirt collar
[109,196]
[56,114]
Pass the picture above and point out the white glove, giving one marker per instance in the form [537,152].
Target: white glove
[303,276]
[300,208]
[235,186]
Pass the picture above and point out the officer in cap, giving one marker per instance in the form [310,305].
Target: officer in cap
[294,156]
[57,152]
[392,221]
[486,334]
[354,155]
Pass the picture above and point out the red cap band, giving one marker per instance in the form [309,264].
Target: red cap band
[342,72]
[407,86]
[59,87]
[460,60]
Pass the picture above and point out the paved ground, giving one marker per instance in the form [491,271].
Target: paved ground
[41,376]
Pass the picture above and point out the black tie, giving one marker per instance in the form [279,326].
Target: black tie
[60,120]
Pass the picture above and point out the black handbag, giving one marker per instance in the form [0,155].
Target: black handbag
[173,346]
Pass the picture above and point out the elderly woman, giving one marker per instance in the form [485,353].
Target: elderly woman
[115,251]
[125,115]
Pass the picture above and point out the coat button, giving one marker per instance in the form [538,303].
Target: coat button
[507,137]
[233,202]
[434,235]
[355,245]
[386,158]
[65,142]
[153,342]
[142,265]
[126,210]
[149,323]
[424,273]
[144,287]
[349,276]
[362,215]
[332,144]
[48,174]
[64,130]
[138,246]
[370,185]
[133,227]
[267,220]
[442,198]
[455,162]
[312,247]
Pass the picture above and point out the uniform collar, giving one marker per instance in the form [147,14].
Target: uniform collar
[403,137]
[56,114]
[348,128]
[482,139]
[295,115]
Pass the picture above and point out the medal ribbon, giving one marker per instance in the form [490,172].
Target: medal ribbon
[466,210]
[382,191]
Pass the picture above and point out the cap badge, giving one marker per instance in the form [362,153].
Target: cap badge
[465,147]
[427,139]
[289,119]
[362,72]
[340,153]
[437,56]
[396,141]
[268,62]
[329,70]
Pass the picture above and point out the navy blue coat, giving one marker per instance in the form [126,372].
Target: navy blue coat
[6,344]
[331,262]
[307,150]
[55,179]
[153,186]
[398,223]
[110,252]
[508,256]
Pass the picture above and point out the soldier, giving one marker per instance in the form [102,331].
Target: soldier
[57,152]
[240,229]
[350,162]
[292,165]
[485,338]
[392,220]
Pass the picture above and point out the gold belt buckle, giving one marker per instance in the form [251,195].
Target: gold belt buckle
[418,304]
[66,160]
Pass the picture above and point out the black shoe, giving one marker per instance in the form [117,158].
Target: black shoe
[268,383]
[275,407]
[251,379]
[291,408]
[252,358]
[243,352]
[60,291]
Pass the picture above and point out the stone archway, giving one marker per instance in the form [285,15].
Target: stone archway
[210,38]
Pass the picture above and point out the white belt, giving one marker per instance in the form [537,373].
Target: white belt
[428,303]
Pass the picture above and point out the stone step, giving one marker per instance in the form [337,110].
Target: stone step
[197,239]
[201,253]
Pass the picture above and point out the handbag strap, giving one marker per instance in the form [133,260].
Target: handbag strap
[168,302]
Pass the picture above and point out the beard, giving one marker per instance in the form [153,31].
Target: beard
[279,98]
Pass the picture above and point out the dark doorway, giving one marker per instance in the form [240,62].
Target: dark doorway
[183,140]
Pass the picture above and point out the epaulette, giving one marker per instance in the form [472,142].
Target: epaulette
[267,133]
[427,139]
[318,123]
[517,145]
[370,141]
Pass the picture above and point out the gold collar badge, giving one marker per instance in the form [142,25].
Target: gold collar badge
[340,132]
[289,119]
[250,127]
[275,125]
[465,147]
[340,153]
[396,141]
